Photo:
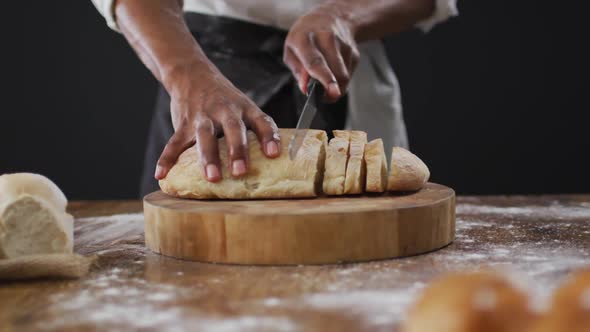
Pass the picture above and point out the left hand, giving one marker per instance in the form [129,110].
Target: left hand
[321,44]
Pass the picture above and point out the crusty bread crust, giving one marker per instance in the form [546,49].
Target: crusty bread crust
[407,171]
[348,165]
[344,134]
[267,178]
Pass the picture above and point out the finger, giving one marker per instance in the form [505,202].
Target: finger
[267,132]
[234,131]
[347,56]
[296,68]
[315,64]
[330,48]
[354,58]
[304,82]
[351,56]
[208,150]
[176,145]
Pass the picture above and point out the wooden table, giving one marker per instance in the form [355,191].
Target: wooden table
[540,239]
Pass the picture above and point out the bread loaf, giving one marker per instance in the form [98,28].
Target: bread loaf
[406,171]
[470,302]
[267,178]
[570,307]
[347,165]
[336,159]
[355,168]
[33,218]
[376,162]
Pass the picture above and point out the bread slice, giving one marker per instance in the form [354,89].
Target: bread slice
[336,159]
[406,171]
[267,178]
[33,218]
[344,134]
[376,166]
[355,168]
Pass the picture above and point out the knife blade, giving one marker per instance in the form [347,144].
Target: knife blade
[315,92]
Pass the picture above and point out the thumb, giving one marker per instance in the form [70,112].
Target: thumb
[303,80]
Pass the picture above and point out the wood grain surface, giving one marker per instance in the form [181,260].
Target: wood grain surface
[542,239]
[301,231]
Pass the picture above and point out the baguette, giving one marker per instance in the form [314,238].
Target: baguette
[267,178]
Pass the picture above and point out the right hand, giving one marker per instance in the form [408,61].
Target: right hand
[204,104]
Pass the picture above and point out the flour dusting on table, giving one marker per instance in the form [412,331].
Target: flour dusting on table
[108,230]
[536,244]
[555,211]
[377,307]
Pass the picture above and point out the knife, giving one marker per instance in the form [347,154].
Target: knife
[315,92]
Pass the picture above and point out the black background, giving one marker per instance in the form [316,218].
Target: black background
[495,100]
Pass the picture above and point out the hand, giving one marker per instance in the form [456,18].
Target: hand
[322,44]
[204,104]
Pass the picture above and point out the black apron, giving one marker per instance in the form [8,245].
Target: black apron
[250,56]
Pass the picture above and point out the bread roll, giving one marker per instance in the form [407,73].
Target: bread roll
[267,178]
[406,171]
[570,307]
[33,218]
[15,185]
[376,166]
[336,159]
[356,167]
[471,302]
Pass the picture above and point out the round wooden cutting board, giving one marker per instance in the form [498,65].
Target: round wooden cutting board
[301,231]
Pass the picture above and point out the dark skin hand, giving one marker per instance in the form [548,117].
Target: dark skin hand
[204,104]
[323,43]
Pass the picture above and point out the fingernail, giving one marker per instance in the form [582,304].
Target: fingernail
[212,172]
[159,174]
[238,167]
[272,148]
[334,89]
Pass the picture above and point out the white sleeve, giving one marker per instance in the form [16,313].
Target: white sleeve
[444,10]
[107,10]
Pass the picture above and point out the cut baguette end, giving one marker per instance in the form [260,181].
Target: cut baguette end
[407,171]
[29,225]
